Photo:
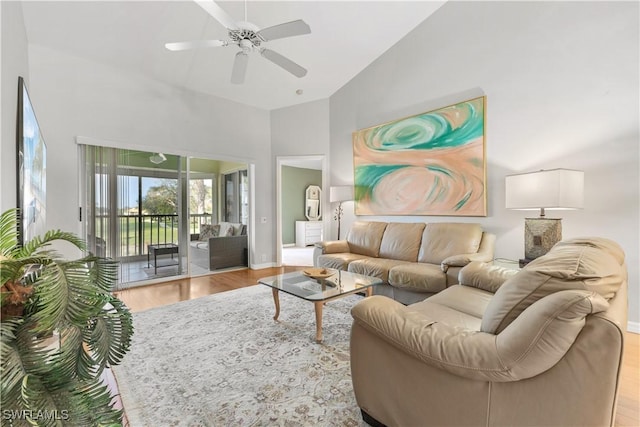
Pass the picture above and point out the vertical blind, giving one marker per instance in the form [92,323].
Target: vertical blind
[115,224]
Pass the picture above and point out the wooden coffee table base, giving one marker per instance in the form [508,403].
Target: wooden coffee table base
[318,305]
[276,300]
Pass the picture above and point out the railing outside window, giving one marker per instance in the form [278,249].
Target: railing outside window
[196,219]
[139,231]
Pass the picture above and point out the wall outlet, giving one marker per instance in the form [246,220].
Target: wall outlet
[263,257]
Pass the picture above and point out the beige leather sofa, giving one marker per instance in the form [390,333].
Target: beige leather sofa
[538,347]
[415,260]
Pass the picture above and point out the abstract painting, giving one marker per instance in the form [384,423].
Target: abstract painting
[32,170]
[428,164]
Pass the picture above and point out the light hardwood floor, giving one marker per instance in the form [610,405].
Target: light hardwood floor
[145,297]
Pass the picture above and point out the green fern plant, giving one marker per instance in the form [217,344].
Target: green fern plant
[60,328]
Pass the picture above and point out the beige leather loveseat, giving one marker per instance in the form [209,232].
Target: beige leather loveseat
[538,347]
[415,260]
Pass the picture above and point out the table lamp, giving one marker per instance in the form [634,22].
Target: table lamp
[553,189]
[339,194]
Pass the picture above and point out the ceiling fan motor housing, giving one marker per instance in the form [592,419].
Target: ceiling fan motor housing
[246,33]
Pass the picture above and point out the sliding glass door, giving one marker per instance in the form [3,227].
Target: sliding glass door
[236,196]
[133,211]
[202,201]
[148,210]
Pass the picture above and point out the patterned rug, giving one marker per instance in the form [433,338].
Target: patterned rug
[221,360]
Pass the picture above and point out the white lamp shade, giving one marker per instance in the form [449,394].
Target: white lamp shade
[547,189]
[340,193]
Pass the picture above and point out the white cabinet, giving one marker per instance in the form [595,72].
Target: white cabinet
[308,233]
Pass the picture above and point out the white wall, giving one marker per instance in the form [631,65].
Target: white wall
[303,130]
[76,97]
[14,63]
[561,81]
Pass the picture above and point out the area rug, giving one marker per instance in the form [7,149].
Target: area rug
[221,360]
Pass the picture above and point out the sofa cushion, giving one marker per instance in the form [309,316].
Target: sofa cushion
[209,230]
[457,306]
[237,229]
[376,267]
[364,237]
[577,265]
[401,241]
[228,229]
[225,229]
[199,244]
[338,261]
[418,277]
[470,301]
[444,239]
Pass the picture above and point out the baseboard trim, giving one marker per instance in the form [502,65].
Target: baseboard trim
[263,265]
[633,327]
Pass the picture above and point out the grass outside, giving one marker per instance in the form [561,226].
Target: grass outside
[155,230]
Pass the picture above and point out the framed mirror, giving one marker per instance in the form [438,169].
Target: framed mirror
[312,208]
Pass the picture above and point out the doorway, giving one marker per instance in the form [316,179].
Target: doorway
[294,174]
[218,237]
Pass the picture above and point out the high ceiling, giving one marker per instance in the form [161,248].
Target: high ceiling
[130,35]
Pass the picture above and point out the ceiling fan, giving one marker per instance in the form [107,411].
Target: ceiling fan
[248,37]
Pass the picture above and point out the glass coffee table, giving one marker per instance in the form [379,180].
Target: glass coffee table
[318,290]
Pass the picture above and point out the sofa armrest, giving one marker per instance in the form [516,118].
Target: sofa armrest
[227,251]
[333,246]
[484,254]
[329,247]
[532,344]
[484,276]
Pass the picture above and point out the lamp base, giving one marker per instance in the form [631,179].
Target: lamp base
[540,234]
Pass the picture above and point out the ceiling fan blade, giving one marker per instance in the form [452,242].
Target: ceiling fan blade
[288,29]
[196,44]
[239,68]
[284,62]
[218,13]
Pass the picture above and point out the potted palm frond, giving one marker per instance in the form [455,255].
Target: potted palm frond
[61,327]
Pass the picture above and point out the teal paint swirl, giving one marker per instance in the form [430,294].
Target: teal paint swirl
[367,177]
[428,131]
[463,201]
[440,170]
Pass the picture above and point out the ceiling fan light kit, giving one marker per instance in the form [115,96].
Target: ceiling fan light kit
[157,158]
[248,37]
